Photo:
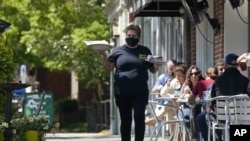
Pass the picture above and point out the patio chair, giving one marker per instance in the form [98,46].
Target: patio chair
[229,110]
[240,112]
[179,121]
[220,122]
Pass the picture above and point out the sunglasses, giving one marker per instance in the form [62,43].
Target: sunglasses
[221,69]
[194,73]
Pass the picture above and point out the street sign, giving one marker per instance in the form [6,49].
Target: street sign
[39,104]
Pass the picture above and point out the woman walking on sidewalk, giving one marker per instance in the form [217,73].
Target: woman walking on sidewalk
[130,87]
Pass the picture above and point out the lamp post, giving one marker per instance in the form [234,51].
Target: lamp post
[98,46]
[9,87]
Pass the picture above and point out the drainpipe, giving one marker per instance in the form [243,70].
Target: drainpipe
[113,111]
[143,31]
[248,6]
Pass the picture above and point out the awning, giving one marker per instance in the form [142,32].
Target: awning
[157,8]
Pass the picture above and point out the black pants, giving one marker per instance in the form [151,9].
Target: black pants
[203,127]
[127,104]
[195,110]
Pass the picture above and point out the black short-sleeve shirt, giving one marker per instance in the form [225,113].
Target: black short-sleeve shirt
[131,70]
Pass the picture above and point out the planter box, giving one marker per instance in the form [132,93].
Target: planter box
[1,136]
[33,136]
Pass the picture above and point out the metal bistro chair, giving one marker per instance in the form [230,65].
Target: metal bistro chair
[229,110]
[179,121]
[239,111]
[220,112]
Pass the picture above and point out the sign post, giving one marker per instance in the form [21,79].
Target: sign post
[39,104]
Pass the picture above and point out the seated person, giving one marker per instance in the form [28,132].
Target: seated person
[231,82]
[199,86]
[171,87]
[160,82]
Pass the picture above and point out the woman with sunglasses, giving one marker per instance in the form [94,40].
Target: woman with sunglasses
[201,86]
[193,77]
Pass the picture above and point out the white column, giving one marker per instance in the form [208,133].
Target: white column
[74,85]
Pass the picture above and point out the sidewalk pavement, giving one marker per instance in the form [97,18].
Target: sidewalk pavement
[88,137]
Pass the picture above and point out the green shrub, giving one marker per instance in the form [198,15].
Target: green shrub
[76,128]
[7,69]
[68,105]
[7,66]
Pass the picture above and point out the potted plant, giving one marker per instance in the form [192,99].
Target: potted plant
[32,128]
[3,125]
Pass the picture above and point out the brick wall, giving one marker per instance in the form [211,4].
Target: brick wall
[193,45]
[219,38]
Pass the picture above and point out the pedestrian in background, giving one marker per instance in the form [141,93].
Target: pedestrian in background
[36,88]
[130,87]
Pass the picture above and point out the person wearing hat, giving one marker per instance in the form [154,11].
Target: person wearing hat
[231,82]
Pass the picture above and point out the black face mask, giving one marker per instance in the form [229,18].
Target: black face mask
[132,41]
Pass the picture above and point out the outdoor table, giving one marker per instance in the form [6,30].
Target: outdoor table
[175,102]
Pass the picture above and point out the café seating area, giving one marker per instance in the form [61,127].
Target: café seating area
[229,110]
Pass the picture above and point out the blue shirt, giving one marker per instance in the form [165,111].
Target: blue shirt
[162,79]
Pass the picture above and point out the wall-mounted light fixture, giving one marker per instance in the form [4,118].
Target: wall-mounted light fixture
[236,3]
[4,26]
[214,23]
[195,10]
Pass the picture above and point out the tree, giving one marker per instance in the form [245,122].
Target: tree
[7,69]
[51,34]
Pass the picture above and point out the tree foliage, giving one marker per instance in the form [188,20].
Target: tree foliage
[51,34]
[7,68]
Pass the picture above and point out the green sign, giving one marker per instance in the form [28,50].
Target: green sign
[33,102]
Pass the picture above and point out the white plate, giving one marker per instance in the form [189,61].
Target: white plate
[182,100]
[98,45]
[155,93]
[157,61]
[168,97]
